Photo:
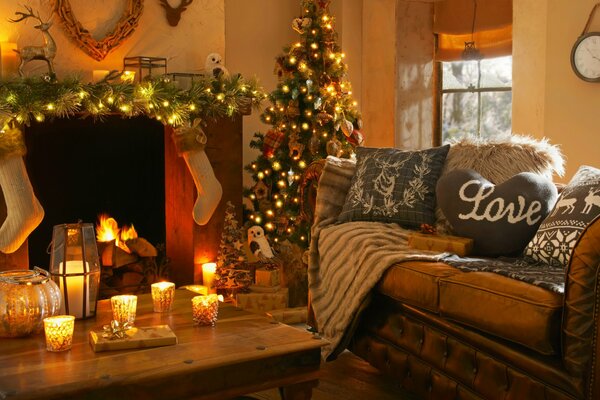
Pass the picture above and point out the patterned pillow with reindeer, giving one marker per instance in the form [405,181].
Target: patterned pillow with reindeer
[392,185]
[577,207]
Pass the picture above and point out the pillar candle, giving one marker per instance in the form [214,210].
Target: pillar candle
[208,276]
[75,286]
[9,60]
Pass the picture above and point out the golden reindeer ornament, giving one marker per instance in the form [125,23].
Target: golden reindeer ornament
[47,52]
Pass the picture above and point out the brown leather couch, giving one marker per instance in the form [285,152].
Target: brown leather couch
[441,333]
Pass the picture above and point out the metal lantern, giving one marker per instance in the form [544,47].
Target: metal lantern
[75,267]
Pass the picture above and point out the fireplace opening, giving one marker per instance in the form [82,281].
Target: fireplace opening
[80,168]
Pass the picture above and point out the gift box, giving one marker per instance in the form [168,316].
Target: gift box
[267,277]
[135,338]
[262,302]
[442,243]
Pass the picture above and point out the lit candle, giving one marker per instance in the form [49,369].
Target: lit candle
[9,63]
[205,309]
[75,281]
[99,74]
[128,76]
[162,296]
[208,276]
[59,332]
[124,308]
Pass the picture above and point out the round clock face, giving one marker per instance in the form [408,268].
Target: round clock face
[585,57]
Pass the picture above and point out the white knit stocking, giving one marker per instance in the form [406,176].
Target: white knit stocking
[209,188]
[24,212]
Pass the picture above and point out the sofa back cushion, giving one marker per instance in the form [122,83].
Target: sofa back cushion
[577,206]
[392,185]
[499,159]
[501,219]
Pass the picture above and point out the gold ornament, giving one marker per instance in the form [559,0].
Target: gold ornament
[296,150]
[347,127]
[334,147]
[314,145]
[260,190]
[324,118]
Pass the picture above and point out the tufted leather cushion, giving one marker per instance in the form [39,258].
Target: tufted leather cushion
[504,307]
[416,282]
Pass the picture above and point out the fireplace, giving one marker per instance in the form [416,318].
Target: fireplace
[129,168]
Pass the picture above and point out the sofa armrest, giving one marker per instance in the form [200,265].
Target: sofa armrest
[580,325]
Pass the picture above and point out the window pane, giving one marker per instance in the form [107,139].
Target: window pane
[496,72]
[459,74]
[496,113]
[459,115]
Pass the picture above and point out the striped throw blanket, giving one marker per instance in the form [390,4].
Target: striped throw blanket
[347,260]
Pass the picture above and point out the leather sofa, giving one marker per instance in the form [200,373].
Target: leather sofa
[441,333]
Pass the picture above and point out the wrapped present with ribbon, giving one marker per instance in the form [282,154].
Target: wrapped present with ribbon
[262,302]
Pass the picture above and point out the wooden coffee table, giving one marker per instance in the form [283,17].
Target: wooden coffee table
[243,353]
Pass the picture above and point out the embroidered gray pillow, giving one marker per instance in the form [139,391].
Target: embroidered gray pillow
[577,207]
[392,185]
[501,219]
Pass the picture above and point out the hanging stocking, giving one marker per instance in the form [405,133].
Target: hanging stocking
[24,212]
[190,142]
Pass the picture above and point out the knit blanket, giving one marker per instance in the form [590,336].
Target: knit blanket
[341,280]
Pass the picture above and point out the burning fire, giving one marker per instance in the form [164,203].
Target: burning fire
[107,230]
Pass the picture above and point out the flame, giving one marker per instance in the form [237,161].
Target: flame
[107,230]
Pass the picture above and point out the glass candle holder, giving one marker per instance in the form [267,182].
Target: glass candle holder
[205,309]
[162,296]
[123,308]
[59,332]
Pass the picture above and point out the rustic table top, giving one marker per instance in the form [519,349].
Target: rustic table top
[243,353]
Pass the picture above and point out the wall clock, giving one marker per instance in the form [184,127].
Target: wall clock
[585,55]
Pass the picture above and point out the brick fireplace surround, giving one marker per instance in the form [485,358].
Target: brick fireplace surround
[188,245]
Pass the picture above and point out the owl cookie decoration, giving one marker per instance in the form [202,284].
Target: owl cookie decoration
[258,243]
[214,66]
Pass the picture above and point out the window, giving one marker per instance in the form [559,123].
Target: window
[476,98]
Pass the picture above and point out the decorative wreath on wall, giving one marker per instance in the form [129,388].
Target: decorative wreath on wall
[98,50]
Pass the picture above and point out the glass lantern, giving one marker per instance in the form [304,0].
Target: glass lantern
[75,267]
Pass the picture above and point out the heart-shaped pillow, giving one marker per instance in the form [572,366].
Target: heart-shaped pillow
[501,219]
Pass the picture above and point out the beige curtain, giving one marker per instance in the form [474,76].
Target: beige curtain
[492,28]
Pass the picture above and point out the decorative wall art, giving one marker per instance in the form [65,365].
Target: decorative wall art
[99,49]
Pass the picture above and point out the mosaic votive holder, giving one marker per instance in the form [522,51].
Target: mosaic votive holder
[123,308]
[162,296]
[59,332]
[205,309]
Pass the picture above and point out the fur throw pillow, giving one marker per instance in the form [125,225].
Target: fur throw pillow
[498,159]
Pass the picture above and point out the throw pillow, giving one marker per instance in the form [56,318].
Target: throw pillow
[499,159]
[392,185]
[577,207]
[500,219]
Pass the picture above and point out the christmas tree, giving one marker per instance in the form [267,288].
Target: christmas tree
[312,115]
[230,261]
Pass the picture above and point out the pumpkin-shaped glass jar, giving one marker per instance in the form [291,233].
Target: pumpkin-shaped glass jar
[26,298]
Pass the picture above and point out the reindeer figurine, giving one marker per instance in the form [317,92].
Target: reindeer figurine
[30,53]
[174,13]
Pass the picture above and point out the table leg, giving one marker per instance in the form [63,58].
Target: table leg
[298,391]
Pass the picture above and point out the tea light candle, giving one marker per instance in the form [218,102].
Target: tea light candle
[205,309]
[123,308]
[162,296]
[59,332]
[208,276]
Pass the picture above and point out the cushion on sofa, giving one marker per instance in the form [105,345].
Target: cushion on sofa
[577,206]
[392,185]
[504,307]
[416,283]
[498,159]
[501,218]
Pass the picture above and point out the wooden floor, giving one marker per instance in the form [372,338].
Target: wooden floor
[347,378]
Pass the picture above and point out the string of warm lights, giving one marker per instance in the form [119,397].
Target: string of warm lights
[312,114]
[25,100]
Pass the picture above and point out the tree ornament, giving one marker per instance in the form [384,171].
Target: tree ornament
[279,67]
[258,243]
[24,210]
[282,224]
[190,142]
[356,138]
[290,176]
[296,150]
[314,145]
[260,190]
[272,141]
[347,128]
[300,24]
[292,110]
[324,118]
[334,147]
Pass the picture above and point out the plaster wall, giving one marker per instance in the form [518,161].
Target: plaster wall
[549,100]
[200,32]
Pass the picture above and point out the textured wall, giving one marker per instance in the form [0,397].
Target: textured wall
[200,32]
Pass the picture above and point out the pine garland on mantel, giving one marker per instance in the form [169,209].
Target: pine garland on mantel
[23,100]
